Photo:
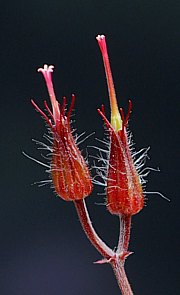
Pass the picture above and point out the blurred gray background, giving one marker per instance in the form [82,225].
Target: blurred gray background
[43,250]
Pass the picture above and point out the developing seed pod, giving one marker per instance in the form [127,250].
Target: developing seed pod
[70,174]
[124,189]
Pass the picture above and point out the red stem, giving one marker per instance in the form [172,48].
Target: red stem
[124,234]
[121,254]
[116,259]
[123,283]
[84,218]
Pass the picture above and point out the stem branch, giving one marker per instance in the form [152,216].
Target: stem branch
[85,221]
[116,259]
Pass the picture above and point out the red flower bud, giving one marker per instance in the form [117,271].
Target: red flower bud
[124,189]
[70,174]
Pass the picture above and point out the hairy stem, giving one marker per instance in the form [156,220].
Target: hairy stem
[124,234]
[116,259]
[121,254]
[123,283]
[85,221]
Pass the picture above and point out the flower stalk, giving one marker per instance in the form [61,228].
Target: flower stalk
[88,228]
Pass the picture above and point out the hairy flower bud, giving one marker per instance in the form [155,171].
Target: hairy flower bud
[124,189]
[70,174]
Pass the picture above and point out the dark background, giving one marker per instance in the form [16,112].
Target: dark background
[43,250]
